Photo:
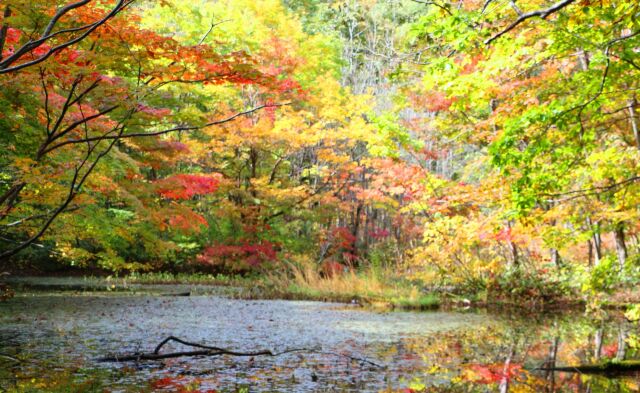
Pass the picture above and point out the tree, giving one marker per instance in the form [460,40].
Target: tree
[72,107]
[543,92]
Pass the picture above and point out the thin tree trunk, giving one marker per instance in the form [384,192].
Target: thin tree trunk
[596,241]
[597,352]
[634,121]
[622,345]
[551,364]
[4,30]
[583,56]
[356,227]
[513,250]
[621,247]
[555,258]
[506,372]
[597,248]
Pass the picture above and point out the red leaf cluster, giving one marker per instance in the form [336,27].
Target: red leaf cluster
[343,238]
[186,186]
[330,268]
[379,233]
[253,254]
[610,350]
[504,235]
[13,36]
[155,112]
[187,222]
[495,373]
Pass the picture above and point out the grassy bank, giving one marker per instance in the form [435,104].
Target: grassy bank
[369,287]
[385,288]
[373,287]
[166,278]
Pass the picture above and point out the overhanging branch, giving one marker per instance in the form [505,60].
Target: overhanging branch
[6,65]
[533,14]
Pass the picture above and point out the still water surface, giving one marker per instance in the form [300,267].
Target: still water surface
[57,338]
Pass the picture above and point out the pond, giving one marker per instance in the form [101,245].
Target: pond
[51,340]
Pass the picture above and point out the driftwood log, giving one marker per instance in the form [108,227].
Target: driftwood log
[207,350]
[607,368]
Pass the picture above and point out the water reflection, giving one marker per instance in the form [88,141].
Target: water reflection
[49,343]
[517,354]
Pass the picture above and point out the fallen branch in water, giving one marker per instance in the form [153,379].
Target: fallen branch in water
[612,367]
[206,350]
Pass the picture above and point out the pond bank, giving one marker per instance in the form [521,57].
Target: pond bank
[350,290]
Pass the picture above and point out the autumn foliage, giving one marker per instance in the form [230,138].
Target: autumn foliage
[153,135]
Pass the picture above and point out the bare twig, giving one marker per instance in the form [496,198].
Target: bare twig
[187,343]
[593,190]
[213,25]
[436,4]
[35,217]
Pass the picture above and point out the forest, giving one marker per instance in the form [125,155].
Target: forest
[394,155]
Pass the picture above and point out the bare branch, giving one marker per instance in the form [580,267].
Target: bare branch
[442,7]
[213,25]
[486,4]
[167,131]
[74,188]
[74,125]
[78,180]
[516,8]
[522,18]
[207,350]
[60,13]
[6,64]
[35,217]
[593,190]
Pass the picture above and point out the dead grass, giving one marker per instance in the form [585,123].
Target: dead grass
[378,287]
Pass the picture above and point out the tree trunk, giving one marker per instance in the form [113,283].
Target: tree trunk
[356,227]
[583,56]
[4,30]
[596,241]
[622,345]
[621,247]
[550,375]
[506,372]
[513,250]
[634,121]
[597,352]
[555,258]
